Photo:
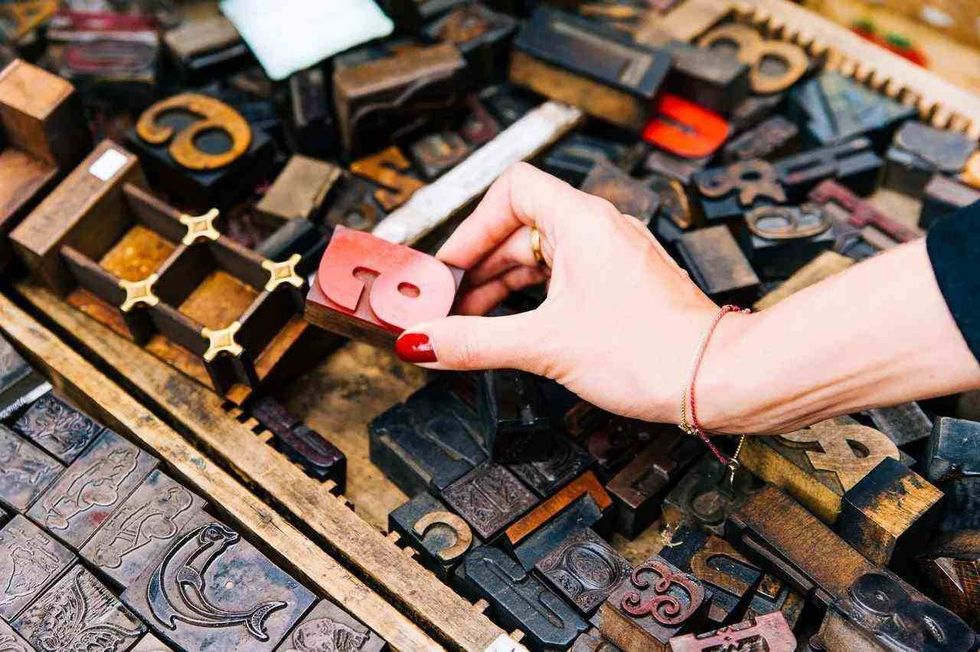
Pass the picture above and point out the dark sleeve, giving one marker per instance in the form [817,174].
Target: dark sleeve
[953,243]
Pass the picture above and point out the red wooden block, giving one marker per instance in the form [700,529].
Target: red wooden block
[684,128]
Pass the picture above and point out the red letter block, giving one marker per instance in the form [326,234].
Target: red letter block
[370,289]
[685,128]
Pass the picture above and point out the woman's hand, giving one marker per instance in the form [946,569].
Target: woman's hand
[621,322]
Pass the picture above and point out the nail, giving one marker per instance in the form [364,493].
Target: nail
[415,347]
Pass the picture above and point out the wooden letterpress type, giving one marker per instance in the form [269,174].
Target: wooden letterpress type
[490,498]
[685,129]
[479,127]
[507,104]
[92,488]
[592,641]
[730,576]
[712,79]
[25,471]
[703,498]
[299,192]
[718,266]
[371,289]
[76,611]
[353,205]
[951,463]
[942,196]
[782,239]
[482,36]
[438,152]
[30,560]
[585,569]
[760,55]
[770,139]
[412,14]
[887,512]
[563,462]
[613,441]
[630,196]
[58,428]
[860,213]
[385,100]
[440,536]
[951,568]
[150,643]
[205,47]
[308,448]
[823,266]
[391,171]
[831,109]
[769,632]
[514,416]
[142,526]
[904,424]
[328,627]
[42,136]
[920,151]
[519,600]
[852,164]
[310,127]
[638,490]
[19,383]
[672,201]
[881,612]
[603,72]
[236,598]
[657,601]
[574,157]
[675,168]
[728,192]
[428,442]
[200,149]
[11,641]
[753,110]
[773,595]
[817,465]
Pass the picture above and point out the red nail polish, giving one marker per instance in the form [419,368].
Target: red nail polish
[415,347]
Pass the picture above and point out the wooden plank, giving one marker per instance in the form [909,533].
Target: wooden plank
[101,397]
[352,539]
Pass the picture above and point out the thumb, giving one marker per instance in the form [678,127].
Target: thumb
[471,343]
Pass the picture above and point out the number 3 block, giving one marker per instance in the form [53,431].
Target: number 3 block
[370,289]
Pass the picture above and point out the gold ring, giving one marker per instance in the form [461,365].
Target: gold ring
[536,247]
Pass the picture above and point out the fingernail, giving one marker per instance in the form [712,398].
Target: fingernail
[415,347]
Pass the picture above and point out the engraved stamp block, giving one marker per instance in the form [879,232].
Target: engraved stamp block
[490,498]
[25,470]
[328,628]
[10,641]
[29,561]
[58,428]
[441,537]
[585,569]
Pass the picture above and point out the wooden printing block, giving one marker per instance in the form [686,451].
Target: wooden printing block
[76,608]
[819,464]
[308,448]
[672,201]
[391,171]
[718,266]
[30,560]
[730,577]
[942,196]
[506,103]
[385,100]
[780,240]
[585,569]
[951,567]
[518,599]
[774,65]
[201,150]
[309,124]
[410,15]
[329,627]
[205,47]
[71,509]
[395,287]
[712,79]
[703,498]
[770,632]
[574,157]
[630,196]
[580,504]
[772,138]
[436,153]
[150,643]
[592,641]
[514,416]
[12,641]
[603,72]
[753,110]
[823,266]
[831,109]
[564,461]
[481,35]
[852,164]
[141,527]
[772,595]
[58,428]
[633,618]
[638,490]
[490,498]
[881,612]
[920,151]
[28,471]
[614,441]
[441,537]
[675,168]
[726,193]
[299,192]
[20,385]
[240,601]
[300,237]
[479,126]
[860,213]
[685,129]
[428,442]
[904,424]
[353,205]
[951,463]
[42,136]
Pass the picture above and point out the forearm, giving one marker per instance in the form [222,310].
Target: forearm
[877,334]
